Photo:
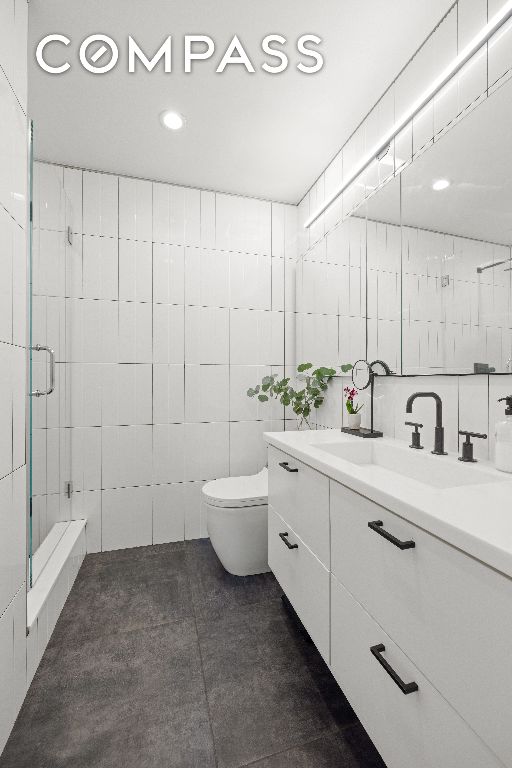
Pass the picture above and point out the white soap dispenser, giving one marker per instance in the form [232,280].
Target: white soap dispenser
[503,459]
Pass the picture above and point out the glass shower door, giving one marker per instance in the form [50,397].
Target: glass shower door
[49,448]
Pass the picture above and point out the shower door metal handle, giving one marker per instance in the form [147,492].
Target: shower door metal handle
[46,392]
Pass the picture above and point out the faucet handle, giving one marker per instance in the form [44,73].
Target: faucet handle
[467,445]
[415,437]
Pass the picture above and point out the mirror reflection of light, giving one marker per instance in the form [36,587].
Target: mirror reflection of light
[440,184]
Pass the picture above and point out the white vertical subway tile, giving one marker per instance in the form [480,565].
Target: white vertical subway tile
[250,281]
[207,277]
[6,267]
[206,393]
[135,271]
[206,335]
[207,219]
[176,215]
[256,337]
[86,505]
[100,267]
[168,393]
[49,263]
[127,456]
[73,192]
[86,458]
[243,224]
[168,334]
[195,511]
[169,513]
[100,204]
[49,193]
[169,273]
[19,287]
[135,332]
[206,451]
[168,453]
[135,209]
[126,518]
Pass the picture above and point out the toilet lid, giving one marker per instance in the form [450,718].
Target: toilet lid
[247,491]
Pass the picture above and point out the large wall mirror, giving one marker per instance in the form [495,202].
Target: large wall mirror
[433,293]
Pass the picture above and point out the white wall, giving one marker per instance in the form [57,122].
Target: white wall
[13,310]
[170,303]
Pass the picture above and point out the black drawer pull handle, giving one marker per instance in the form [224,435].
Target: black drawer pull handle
[377,651]
[377,526]
[284,537]
[284,465]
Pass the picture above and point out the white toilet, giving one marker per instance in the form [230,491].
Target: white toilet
[237,514]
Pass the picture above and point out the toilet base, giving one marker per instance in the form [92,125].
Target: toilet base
[239,536]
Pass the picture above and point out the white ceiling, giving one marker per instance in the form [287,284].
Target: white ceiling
[262,135]
[476,157]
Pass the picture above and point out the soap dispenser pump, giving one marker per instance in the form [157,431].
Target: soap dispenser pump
[504,438]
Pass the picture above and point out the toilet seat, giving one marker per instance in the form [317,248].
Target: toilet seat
[245,491]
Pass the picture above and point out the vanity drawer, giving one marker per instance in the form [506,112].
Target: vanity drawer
[301,496]
[303,579]
[411,730]
[449,613]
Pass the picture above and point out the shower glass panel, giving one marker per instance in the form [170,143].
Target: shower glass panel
[49,443]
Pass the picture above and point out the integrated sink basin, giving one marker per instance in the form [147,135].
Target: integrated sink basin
[421,466]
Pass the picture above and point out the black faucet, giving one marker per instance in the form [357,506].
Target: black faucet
[439,431]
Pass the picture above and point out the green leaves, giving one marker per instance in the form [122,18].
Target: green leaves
[346,368]
[302,401]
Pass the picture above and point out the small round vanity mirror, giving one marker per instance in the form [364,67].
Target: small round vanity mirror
[361,374]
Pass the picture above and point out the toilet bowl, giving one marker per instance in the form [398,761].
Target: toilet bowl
[237,515]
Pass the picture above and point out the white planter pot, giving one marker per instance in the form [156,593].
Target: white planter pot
[354,420]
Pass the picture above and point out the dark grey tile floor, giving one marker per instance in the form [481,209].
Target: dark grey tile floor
[160,659]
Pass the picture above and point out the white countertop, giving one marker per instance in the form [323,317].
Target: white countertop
[476,518]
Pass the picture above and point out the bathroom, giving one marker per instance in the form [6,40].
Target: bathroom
[256,340]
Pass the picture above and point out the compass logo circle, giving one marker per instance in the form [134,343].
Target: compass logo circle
[89,63]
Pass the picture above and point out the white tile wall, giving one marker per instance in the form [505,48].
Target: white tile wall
[168,305]
[469,403]
[13,313]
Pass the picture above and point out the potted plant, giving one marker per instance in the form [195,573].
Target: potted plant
[303,401]
[354,416]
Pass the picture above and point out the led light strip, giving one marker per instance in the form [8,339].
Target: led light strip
[492,26]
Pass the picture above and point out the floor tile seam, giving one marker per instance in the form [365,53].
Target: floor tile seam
[210,720]
[263,601]
[92,638]
[298,745]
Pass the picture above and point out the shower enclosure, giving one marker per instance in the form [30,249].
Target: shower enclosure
[51,255]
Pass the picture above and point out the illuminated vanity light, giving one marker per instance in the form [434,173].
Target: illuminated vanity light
[172,120]
[467,53]
[440,184]
[393,162]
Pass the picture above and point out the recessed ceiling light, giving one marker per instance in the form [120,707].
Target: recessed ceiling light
[440,184]
[172,120]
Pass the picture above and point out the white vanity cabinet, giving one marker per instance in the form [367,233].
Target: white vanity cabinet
[301,496]
[390,604]
[449,613]
[411,730]
[303,578]
[299,541]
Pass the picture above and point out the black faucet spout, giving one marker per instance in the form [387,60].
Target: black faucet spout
[439,430]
